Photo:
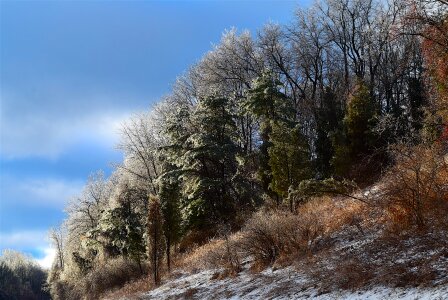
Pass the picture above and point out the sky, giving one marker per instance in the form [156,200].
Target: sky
[71,72]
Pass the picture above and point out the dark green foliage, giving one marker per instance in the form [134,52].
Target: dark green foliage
[209,165]
[123,230]
[358,120]
[342,159]
[417,100]
[289,158]
[357,137]
[267,102]
[328,125]
[169,195]
[120,230]
[269,105]
[155,234]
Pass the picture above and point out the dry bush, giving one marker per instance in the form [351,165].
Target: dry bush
[217,253]
[268,234]
[416,186]
[272,234]
[325,215]
[193,239]
[64,290]
[113,274]
[132,290]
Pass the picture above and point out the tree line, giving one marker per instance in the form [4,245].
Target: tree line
[257,119]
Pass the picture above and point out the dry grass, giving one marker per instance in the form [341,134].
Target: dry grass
[277,236]
[217,253]
[132,290]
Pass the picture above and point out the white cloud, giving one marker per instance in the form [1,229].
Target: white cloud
[46,136]
[30,240]
[47,122]
[54,192]
[35,239]
[51,191]
[46,261]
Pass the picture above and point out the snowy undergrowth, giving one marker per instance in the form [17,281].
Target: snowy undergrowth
[300,282]
[275,284]
[359,260]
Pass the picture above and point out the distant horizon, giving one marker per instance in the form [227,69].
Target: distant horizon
[71,73]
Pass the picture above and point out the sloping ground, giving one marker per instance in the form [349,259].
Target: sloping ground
[279,284]
[355,266]
[362,259]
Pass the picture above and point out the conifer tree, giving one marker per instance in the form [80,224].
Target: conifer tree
[156,243]
[170,194]
[289,159]
[357,137]
[209,165]
[268,104]
[328,124]
[120,230]
[417,99]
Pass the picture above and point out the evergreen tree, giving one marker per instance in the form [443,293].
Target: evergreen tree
[209,164]
[122,232]
[357,137]
[358,120]
[169,195]
[289,159]
[156,243]
[328,124]
[268,104]
[416,95]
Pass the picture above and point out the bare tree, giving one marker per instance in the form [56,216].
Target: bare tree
[57,237]
[84,211]
[139,143]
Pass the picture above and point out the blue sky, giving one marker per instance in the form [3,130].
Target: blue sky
[71,72]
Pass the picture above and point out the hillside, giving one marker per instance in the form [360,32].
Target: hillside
[362,260]
[308,159]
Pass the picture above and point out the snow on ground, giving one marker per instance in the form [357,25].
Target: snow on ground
[387,261]
[293,283]
[275,284]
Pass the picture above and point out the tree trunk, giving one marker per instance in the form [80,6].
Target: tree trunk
[168,253]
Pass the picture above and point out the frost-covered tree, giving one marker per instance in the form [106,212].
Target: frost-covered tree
[209,164]
[139,143]
[84,211]
[21,277]
[120,230]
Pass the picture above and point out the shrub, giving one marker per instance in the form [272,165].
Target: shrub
[102,278]
[272,234]
[416,188]
[217,253]
[267,235]
[115,273]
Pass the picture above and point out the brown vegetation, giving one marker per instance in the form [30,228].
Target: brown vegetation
[416,189]
[114,274]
